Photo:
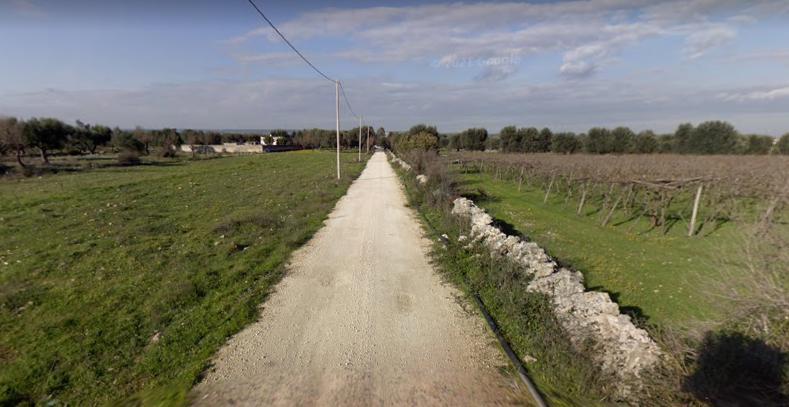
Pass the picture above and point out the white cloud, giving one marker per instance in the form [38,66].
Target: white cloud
[397,104]
[764,55]
[700,42]
[578,69]
[270,58]
[492,41]
[589,32]
[497,72]
[756,95]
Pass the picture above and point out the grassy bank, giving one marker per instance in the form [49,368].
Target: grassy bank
[119,284]
[663,279]
[721,347]
[654,276]
[564,376]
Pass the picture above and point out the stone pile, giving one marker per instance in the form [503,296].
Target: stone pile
[401,163]
[622,349]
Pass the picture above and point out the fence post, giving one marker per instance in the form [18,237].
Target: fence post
[692,227]
[583,199]
[550,185]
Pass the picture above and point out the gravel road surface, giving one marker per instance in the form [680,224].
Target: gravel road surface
[362,318]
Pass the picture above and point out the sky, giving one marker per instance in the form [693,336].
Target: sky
[567,65]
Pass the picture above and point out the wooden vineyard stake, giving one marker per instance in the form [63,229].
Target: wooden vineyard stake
[692,227]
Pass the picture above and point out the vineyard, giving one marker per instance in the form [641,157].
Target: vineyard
[699,192]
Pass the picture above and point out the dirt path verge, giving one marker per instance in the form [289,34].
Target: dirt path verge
[362,319]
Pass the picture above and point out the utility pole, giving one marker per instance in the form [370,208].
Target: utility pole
[368,139]
[337,95]
[360,139]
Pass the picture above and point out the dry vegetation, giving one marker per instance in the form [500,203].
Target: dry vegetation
[624,221]
[663,188]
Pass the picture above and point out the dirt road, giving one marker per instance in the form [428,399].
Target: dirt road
[361,319]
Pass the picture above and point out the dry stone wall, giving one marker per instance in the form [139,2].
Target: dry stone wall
[589,317]
[622,349]
[404,165]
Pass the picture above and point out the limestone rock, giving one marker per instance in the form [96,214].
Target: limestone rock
[622,349]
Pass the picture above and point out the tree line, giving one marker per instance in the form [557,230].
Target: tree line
[323,138]
[712,137]
[45,136]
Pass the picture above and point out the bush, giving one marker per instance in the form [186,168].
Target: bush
[713,137]
[129,157]
[423,141]
[126,141]
[530,141]
[441,183]
[622,139]
[645,143]
[473,139]
[565,143]
[782,146]
[599,141]
[168,152]
[759,145]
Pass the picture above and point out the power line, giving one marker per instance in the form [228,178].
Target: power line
[337,85]
[347,102]
[344,96]
[288,42]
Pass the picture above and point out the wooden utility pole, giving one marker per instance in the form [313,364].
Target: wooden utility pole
[360,139]
[368,139]
[337,97]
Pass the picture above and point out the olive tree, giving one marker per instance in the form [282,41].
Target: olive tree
[12,137]
[645,143]
[46,134]
[758,145]
[474,139]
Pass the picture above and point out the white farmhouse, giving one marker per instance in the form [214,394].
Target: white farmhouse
[275,140]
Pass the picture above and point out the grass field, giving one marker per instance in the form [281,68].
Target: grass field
[658,277]
[119,284]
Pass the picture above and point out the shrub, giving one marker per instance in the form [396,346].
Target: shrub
[713,137]
[423,141]
[168,152]
[565,143]
[509,139]
[129,157]
[529,138]
[473,139]
[125,141]
[645,143]
[756,144]
[599,141]
[782,146]
[622,140]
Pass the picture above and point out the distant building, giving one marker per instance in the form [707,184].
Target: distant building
[276,141]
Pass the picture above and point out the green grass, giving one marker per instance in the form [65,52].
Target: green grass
[563,375]
[95,264]
[660,277]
